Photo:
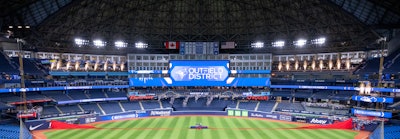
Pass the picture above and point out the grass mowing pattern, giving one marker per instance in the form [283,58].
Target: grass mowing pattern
[178,128]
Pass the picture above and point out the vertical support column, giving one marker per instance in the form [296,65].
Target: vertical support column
[23,94]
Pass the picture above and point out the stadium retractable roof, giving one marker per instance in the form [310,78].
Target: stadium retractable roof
[348,25]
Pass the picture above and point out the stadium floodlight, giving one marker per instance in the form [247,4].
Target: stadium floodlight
[99,43]
[120,44]
[81,42]
[141,45]
[278,44]
[300,42]
[319,41]
[257,45]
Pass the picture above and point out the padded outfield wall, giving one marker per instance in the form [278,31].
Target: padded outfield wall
[85,119]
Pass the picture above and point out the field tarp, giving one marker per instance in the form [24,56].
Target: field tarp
[54,124]
[348,124]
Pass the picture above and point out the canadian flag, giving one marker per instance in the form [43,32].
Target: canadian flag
[171,45]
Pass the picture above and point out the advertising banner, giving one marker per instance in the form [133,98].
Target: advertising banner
[37,125]
[319,121]
[145,71]
[238,113]
[91,100]
[70,114]
[371,113]
[285,117]
[201,113]
[199,71]
[167,81]
[154,113]
[45,123]
[61,88]
[263,115]
[372,99]
[135,114]
[300,118]
[251,71]
[231,112]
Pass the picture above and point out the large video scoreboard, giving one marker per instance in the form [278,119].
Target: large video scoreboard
[199,73]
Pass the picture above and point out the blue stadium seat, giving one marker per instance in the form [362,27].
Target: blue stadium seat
[11,131]
[150,104]
[57,95]
[390,132]
[111,107]
[290,106]
[266,106]
[248,105]
[129,106]
[91,106]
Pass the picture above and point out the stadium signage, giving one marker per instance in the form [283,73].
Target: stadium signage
[37,125]
[88,120]
[373,99]
[141,111]
[256,115]
[301,121]
[257,97]
[91,100]
[300,117]
[145,79]
[65,114]
[77,87]
[160,113]
[134,114]
[262,115]
[285,117]
[247,94]
[271,116]
[143,72]
[372,113]
[208,73]
[231,81]
[117,117]
[313,87]
[27,115]
[199,93]
[306,112]
[132,98]
[318,121]
[199,73]
[162,82]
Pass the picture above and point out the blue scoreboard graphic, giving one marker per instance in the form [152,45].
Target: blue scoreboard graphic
[199,70]
[186,48]
[199,73]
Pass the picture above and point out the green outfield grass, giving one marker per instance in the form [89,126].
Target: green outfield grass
[178,128]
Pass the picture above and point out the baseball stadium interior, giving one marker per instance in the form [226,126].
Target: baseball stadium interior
[324,59]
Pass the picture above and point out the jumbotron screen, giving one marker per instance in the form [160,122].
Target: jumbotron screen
[199,73]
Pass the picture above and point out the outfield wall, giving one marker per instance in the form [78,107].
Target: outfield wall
[45,123]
